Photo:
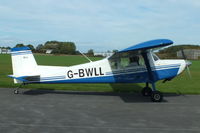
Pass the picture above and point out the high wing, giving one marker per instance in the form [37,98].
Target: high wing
[148,45]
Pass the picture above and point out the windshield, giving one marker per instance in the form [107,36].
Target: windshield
[155,57]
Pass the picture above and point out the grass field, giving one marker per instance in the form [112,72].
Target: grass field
[181,84]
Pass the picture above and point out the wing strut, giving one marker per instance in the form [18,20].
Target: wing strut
[149,69]
[85,56]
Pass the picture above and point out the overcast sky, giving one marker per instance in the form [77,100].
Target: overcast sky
[99,24]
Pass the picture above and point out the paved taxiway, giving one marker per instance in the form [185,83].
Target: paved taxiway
[37,111]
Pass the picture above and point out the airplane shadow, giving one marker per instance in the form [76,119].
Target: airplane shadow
[129,94]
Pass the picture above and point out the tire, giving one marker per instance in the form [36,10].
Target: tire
[146,91]
[156,96]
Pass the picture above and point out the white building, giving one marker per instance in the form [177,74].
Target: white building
[49,51]
[105,54]
[5,51]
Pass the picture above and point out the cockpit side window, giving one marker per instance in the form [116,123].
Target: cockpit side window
[126,60]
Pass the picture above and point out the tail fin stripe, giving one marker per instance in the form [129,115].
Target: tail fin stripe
[21,53]
[20,49]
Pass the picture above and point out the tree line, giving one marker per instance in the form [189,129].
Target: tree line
[56,47]
[171,52]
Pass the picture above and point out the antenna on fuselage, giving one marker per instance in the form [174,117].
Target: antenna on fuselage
[85,56]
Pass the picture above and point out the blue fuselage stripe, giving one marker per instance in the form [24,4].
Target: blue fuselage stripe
[139,77]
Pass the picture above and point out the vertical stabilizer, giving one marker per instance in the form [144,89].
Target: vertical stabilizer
[23,62]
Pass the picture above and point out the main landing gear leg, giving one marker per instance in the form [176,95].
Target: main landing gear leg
[146,91]
[16,91]
[156,96]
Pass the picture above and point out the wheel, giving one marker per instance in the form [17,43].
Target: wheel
[146,91]
[156,96]
[16,92]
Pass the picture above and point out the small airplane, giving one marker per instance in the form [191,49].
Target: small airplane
[135,64]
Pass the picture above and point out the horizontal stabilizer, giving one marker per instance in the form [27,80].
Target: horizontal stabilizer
[26,79]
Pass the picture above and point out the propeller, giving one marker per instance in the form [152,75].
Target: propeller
[188,63]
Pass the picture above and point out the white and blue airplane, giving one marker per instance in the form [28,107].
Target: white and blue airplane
[135,64]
